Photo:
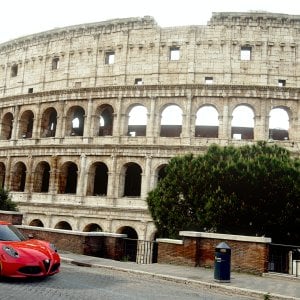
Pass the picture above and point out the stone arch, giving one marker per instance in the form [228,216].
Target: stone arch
[92,227]
[18,178]
[37,223]
[75,121]
[130,243]
[104,120]
[63,225]
[68,178]
[7,126]
[242,124]
[171,121]
[132,173]
[137,120]
[49,122]
[160,173]
[26,124]
[41,177]
[207,122]
[97,179]
[2,174]
[279,123]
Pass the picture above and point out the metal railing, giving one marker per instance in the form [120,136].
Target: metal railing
[284,259]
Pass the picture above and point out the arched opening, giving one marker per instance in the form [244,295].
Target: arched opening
[242,125]
[75,121]
[279,124]
[137,121]
[93,227]
[49,122]
[18,178]
[68,178]
[7,126]
[207,122]
[98,179]
[130,243]
[2,174]
[63,225]
[160,173]
[133,180]
[171,121]
[41,178]
[37,223]
[26,124]
[105,122]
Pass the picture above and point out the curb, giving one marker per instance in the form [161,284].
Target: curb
[187,281]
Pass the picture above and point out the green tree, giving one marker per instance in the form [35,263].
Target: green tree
[5,201]
[253,190]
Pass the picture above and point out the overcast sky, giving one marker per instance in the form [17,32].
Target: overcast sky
[24,17]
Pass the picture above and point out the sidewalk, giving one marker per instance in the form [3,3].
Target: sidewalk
[278,287]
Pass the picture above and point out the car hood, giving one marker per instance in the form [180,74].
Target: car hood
[32,248]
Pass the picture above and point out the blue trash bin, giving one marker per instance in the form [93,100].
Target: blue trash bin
[222,263]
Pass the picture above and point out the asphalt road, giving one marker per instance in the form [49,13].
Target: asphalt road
[74,282]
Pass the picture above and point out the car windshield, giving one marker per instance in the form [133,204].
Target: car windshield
[10,233]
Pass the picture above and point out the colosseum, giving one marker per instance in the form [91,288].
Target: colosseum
[91,114]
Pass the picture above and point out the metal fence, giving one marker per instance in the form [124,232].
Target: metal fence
[284,259]
[140,251]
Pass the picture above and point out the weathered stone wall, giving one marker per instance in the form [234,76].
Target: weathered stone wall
[66,69]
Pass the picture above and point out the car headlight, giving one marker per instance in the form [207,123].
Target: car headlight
[52,246]
[11,251]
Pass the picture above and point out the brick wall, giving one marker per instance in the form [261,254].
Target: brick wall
[11,217]
[248,254]
[100,244]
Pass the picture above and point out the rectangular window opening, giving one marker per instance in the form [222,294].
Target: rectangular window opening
[209,80]
[109,58]
[174,53]
[14,70]
[30,90]
[138,81]
[246,53]
[55,63]
[281,82]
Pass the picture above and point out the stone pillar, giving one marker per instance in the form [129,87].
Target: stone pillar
[82,178]
[29,175]
[150,118]
[53,182]
[15,129]
[261,128]
[60,126]
[225,124]
[36,124]
[88,119]
[186,118]
[7,172]
[112,184]
[146,177]
[118,119]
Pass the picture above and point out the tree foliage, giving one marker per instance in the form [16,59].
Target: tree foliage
[5,201]
[251,190]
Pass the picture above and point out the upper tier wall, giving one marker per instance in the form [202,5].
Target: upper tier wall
[138,51]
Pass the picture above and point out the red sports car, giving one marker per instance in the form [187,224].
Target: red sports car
[21,257]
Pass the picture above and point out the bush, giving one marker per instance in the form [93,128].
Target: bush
[5,201]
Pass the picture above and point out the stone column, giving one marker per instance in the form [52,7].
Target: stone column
[112,184]
[29,175]
[151,119]
[186,118]
[60,126]
[7,172]
[82,178]
[36,124]
[15,129]
[88,119]
[118,119]
[146,177]
[225,124]
[53,182]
